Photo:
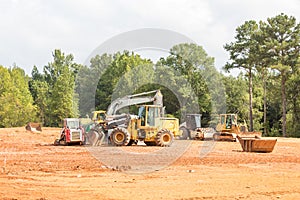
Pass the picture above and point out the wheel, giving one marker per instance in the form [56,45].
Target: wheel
[185,133]
[56,142]
[164,138]
[65,143]
[216,137]
[150,143]
[130,143]
[120,137]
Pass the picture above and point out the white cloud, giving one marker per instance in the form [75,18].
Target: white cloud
[31,30]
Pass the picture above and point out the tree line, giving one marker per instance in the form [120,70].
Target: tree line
[265,93]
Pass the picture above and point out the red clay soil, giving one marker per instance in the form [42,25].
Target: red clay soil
[32,168]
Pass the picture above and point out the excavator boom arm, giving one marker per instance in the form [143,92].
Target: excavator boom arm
[134,100]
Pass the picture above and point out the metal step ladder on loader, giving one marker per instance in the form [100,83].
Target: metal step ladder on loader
[228,129]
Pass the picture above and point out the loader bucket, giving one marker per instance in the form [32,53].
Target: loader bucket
[34,127]
[95,136]
[257,144]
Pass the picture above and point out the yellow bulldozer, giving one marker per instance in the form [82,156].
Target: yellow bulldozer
[228,128]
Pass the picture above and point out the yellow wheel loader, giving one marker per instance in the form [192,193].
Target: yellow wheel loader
[148,127]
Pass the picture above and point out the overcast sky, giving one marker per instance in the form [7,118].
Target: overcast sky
[32,29]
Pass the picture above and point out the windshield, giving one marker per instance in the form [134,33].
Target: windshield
[141,115]
[198,121]
[101,116]
[141,111]
[73,124]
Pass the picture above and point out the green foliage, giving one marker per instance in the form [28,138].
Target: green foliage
[182,77]
[273,105]
[39,90]
[262,48]
[293,115]
[62,95]
[16,103]
[257,103]
[201,78]
[87,81]
[243,55]
[281,45]
[54,91]
[117,72]
[236,95]
[242,51]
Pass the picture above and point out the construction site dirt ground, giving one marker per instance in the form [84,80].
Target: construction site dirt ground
[32,168]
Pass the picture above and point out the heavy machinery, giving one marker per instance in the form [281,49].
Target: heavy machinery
[71,133]
[148,127]
[102,118]
[191,128]
[257,144]
[228,128]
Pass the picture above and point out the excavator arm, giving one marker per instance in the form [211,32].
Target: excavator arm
[134,100]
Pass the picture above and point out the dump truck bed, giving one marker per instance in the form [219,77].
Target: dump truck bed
[257,144]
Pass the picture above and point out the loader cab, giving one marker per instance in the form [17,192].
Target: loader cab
[148,114]
[99,116]
[193,121]
[71,123]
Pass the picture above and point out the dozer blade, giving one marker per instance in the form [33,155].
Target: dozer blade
[34,127]
[257,144]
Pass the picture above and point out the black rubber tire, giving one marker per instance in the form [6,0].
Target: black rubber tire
[150,143]
[131,142]
[185,133]
[164,138]
[216,137]
[120,137]
[56,142]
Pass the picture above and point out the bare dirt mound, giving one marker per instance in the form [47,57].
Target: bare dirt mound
[32,168]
